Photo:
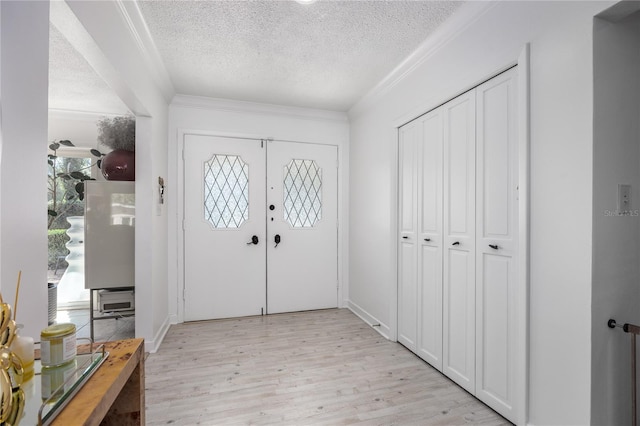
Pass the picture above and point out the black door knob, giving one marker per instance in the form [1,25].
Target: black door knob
[254,240]
[277,239]
[272,207]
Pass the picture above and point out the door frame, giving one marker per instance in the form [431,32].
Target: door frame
[523,134]
[342,212]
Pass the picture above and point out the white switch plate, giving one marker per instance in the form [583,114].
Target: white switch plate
[624,197]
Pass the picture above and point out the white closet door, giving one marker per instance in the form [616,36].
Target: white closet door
[497,227]
[407,290]
[430,244]
[459,241]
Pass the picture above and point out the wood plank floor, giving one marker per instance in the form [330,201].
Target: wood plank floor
[311,368]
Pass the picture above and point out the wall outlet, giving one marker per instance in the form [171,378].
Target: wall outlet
[624,197]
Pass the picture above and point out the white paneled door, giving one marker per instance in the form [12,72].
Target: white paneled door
[246,255]
[497,244]
[458,242]
[409,138]
[430,245]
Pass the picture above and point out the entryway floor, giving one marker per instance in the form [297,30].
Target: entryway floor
[104,329]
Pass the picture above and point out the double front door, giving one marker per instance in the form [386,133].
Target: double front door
[260,229]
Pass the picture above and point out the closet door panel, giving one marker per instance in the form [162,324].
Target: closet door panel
[407,253]
[459,241]
[430,225]
[497,228]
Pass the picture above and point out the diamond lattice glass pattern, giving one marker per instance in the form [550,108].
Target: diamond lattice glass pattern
[226,191]
[302,193]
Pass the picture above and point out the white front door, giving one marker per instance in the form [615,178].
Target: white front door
[302,182]
[224,209]
[260,227]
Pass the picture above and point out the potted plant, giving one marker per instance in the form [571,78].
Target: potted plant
[66,178]
[119,134]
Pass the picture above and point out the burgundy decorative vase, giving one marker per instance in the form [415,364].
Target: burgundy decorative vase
[119,164]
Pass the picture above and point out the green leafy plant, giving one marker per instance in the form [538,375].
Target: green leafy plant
[57,239]
[118,132]
[66,181]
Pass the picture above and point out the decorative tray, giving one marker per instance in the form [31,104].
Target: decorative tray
[49,391]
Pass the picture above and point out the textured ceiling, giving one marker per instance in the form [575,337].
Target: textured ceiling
[73,84]
[324,55]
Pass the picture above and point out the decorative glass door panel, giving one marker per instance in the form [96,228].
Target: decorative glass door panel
[226,191]
[302,193]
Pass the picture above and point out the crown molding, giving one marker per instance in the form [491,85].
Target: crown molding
[456,24]
[219,104]
[69,114]
[132,16]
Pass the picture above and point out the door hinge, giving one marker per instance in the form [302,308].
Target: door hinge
[261,143]
[183,226]
[184,293]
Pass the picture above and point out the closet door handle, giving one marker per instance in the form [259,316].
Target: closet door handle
[254,240]
[494,246]
[277,240]
[427,239]
[457,243]
[405,238]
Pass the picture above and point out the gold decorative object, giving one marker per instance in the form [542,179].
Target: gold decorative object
[12,400]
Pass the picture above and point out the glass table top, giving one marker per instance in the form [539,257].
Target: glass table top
[51,389]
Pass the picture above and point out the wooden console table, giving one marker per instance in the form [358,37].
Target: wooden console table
[114,395]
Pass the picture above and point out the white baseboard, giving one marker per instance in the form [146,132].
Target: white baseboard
[152,346]
[365,316]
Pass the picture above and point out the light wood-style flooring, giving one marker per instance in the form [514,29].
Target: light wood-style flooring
[311,368]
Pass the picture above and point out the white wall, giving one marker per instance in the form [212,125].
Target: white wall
[121,60]
[79,127]
[226,118]
[560,36]
[616,248]
[24,58]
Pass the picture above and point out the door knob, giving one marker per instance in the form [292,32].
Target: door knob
[405,238]
[494,246]
[254,240]
[427,239]
[277,240]
[272,207]
[457,243]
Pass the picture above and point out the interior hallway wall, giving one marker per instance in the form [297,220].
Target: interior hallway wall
[561,169]
[616,235]
[24,84]
[126,68]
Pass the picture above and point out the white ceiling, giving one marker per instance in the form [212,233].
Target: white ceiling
[325,55]
[73,84]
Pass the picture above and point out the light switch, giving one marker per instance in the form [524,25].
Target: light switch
[624,197]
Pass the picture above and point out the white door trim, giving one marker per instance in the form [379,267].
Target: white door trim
[178,243]
[523,131]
